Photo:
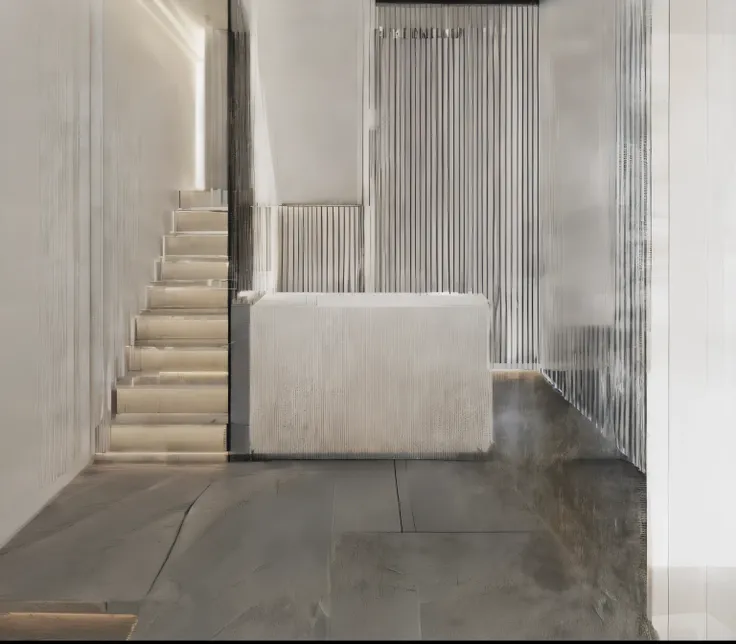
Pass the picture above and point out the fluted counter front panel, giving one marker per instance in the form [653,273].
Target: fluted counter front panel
[366,375]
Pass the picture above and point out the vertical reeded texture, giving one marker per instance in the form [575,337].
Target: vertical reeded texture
[595,211]
[368,376]
[97,132]
[215,112]
[320,249]
[241,202]
[45,435]
[454,161]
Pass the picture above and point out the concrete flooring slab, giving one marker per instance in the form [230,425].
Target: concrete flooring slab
[103,538]
[460,586]
[456,496]
[306,550]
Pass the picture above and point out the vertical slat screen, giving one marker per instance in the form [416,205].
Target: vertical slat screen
[455,161]
[321,248]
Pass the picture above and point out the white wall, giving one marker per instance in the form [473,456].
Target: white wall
[311,82]
[45,433]
[88,171]
[691,479]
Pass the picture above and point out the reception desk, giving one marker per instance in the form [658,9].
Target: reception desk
[318,375]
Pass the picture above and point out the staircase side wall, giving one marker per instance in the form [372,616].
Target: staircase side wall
[97,129]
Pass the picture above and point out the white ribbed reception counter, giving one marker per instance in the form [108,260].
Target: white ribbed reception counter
[361,376]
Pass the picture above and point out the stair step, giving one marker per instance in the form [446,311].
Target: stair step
[195,244]
[185,326]
[180,378]
[192,199]
[182,343]
[200,220]
[174,257]
[208,282]
[180,359]
[178,458]
[198,312]
[175,268]
[189,296]
[171,419]
[168,438]
[200,399]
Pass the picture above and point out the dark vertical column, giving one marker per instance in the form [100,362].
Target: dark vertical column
[240,170]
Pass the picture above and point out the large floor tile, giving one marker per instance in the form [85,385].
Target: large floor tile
[447,496]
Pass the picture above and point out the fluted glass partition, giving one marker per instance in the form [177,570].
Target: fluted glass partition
[595,210]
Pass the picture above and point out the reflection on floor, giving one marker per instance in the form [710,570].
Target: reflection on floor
[339,550]
[575,479]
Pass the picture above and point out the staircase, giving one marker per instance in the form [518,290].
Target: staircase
[172,405]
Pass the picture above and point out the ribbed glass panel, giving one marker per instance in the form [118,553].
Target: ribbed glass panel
[596,210]
[454,161]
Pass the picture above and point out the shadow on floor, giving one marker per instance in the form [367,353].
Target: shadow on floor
[338,550]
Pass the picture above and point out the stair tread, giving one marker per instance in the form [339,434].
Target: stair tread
[203,209]
[179,376]
[170,426]
[181,343]
[125,383]
[170,418]
[197,233]
[175,348]
[191,458]
[213,283]
[198,314]
[196,258]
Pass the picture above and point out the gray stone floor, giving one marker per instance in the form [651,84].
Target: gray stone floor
[308,550]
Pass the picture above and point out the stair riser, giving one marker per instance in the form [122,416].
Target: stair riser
[194,270]
[203,198]
[181,378]
[169,458]
[168,438]
[141,400]
[176,359]
[187,297]
[186,221]
[162,328]
[195,245]
[182,343]
[171,419]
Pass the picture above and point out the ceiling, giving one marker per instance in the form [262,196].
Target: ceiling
[207,12]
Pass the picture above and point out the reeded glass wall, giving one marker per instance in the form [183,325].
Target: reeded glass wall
[495,149]
[452,205]
[595,210]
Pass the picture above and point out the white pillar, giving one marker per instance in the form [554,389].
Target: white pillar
[691,437]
